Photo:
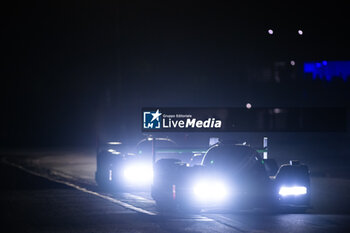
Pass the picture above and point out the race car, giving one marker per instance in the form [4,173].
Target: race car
[233,176]
[120,166]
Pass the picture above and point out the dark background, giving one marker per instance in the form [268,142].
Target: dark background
[81,70]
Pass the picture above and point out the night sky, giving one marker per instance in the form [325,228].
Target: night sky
[65,63]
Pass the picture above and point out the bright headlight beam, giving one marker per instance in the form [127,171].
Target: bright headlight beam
[210,191]
[292,191]
[138,174]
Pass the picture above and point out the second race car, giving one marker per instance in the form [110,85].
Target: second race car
[233,176]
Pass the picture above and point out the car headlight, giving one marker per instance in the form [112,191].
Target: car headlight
[210,191]
[138,174]
[292,191]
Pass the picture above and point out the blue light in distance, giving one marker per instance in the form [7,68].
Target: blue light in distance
[327,70]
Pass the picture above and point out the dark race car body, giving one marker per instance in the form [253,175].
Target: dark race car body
[230,176]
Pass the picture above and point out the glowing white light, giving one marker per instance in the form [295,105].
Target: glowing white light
[248,105]
[114,143]
[277,110]
[265,155]
[149,139]
[292,63]
[292,191]
[210,191]
[114,152]
[138,174]
[265,147]
[270,31]
[300,32]
[110,175]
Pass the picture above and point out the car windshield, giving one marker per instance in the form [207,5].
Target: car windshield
[231,157]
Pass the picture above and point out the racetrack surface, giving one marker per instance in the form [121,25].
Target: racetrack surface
[54,191]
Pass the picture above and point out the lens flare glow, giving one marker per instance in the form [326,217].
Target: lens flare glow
[210,191]
[138,174]
[292,191]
